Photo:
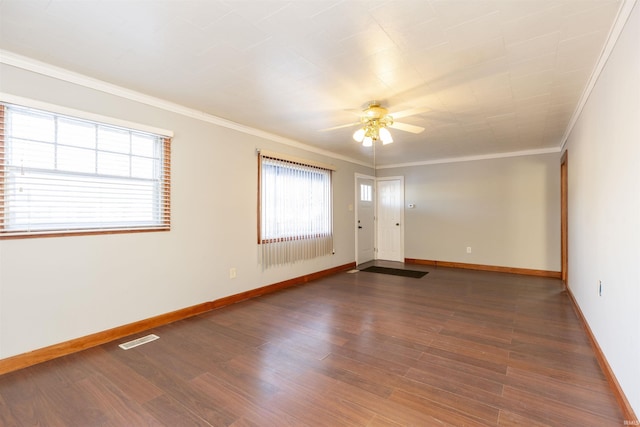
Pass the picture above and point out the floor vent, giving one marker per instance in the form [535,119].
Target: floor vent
[139,341]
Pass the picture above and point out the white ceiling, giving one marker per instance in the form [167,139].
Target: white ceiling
[489,76]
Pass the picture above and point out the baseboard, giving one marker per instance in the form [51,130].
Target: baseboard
[627,410]
[481,267]
[24,360]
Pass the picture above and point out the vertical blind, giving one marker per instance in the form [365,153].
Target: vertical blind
[63,174]
[295,220]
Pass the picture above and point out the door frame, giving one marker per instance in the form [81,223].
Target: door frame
[564,219]
[357,176]
[402,201]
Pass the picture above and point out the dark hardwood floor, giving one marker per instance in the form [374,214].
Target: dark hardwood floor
[454,348]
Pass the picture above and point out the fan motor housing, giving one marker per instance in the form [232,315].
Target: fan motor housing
[377,115]
[375,111]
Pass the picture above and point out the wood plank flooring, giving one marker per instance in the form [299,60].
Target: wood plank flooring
[454,348]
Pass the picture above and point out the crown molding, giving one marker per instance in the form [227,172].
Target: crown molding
[29,64]
[474,158]
[626,7]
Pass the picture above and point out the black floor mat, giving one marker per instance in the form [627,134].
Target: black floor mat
[396,272]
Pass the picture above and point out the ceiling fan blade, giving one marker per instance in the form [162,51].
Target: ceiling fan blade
[409,112]
[353,111]
[339,127]
[406,127]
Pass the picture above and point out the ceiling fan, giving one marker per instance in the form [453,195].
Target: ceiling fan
[375,119]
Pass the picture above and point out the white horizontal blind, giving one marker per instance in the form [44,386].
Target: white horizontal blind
[62,174]
[295,211]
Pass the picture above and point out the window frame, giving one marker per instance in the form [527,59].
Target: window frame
[317,243]
[163,176]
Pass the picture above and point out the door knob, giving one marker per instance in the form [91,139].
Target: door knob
[359,226]
[397,223]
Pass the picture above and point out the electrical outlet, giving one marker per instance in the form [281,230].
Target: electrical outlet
[232,273]
[468,249]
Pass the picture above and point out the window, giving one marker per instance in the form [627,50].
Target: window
[62,175]
[365,193]
[295,220]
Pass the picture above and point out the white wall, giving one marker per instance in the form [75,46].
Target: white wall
[56,289]
[507,210]
[604,210]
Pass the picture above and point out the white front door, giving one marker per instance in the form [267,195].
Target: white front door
[390,203]
[365,211]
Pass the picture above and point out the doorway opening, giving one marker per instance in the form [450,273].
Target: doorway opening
[564,221]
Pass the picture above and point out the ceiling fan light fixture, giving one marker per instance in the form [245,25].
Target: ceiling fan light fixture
[374,122]
[359,135]
[385,136]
